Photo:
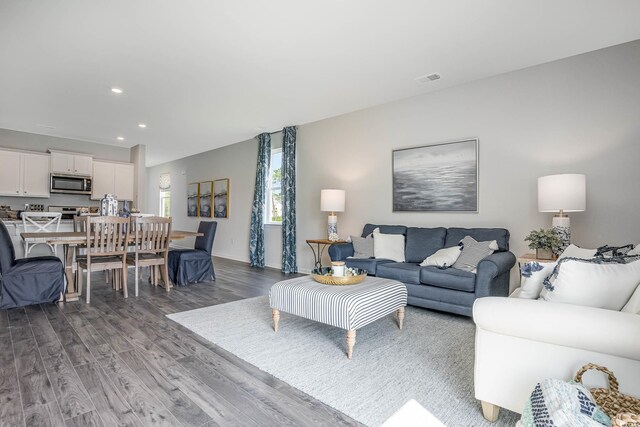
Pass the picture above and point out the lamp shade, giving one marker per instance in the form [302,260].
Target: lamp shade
[332,200]
[565,192]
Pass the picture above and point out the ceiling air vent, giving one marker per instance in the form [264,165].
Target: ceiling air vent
[428,78]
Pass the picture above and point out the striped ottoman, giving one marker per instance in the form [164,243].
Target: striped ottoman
[347,307]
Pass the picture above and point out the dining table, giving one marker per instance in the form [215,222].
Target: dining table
[70,240]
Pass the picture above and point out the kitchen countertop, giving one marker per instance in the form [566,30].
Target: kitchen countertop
[11,221]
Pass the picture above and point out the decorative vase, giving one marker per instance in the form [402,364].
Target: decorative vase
[109,205]
[544,254]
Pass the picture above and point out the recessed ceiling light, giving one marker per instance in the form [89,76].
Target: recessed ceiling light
[116,90]
[120,138]
[142,125]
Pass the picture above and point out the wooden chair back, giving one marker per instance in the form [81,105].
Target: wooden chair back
[107,236]
[80,224]
[152,234]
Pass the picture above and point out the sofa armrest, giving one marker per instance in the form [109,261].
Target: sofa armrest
[492,276]
[340,251]
[585,328]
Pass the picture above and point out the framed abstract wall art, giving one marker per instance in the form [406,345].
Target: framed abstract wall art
[205,199]
[436,178]
[193,191]
[221,198]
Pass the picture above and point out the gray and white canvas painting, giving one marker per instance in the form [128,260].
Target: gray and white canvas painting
[442,177]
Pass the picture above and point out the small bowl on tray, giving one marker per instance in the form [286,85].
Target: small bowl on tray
[325,276]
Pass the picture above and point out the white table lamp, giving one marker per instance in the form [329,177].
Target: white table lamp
[332,201]
[562,193]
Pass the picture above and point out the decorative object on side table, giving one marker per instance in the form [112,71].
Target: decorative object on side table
[545,242]
[436,178]
[562,193]
[333,201]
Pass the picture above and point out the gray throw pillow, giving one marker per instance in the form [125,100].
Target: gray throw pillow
[473,252]
[362,246]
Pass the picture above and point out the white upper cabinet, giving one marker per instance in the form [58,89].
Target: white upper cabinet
[35,177]
[82,165]
[71,164]
[112,178]
[24,174]
[123,185]
[10,173]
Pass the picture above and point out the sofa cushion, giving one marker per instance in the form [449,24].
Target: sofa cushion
[445,257]
[594,283]
[450,278]
[369,264]
[362,246]
[385,229]
[389,246]
[400,271]
[473,252]
[500,235]
[422,242]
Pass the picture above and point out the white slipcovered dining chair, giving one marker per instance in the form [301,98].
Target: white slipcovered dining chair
[34,222]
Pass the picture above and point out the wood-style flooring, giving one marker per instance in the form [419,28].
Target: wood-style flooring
[120,361]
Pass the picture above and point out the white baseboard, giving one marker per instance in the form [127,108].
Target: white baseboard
[246,261]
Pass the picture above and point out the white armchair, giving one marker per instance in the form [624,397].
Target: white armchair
[520,342]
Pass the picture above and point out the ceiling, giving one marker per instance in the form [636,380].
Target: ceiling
[203,74]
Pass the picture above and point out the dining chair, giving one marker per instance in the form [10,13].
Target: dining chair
[194,265]
[49,221]
[28,281]
[107,242]
[152,238]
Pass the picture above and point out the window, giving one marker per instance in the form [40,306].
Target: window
[274,191]
[165,203]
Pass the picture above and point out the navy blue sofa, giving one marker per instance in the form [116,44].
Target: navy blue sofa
[450,289]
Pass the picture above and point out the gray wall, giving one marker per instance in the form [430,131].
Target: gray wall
[577,115]
[42,143]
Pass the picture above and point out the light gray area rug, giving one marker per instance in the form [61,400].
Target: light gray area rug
[430,360]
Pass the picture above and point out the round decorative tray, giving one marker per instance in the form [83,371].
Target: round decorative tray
[324,276]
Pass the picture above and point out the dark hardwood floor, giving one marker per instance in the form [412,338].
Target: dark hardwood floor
[122,362]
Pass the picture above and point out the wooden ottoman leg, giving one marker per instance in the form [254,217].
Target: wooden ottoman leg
[490,411]
[275,315]
[351,340]
[400,317]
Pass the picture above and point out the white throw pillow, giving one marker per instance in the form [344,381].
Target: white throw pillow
[388,246]
[633,305]
[573,251]
[443,258]
[532,275]
[594,284]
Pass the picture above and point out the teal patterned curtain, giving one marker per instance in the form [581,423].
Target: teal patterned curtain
[289,264]
[256,237]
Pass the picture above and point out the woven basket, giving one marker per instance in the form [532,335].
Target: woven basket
[625,419]
[321,277]
[610,399]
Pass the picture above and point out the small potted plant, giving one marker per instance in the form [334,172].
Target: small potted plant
[545,242]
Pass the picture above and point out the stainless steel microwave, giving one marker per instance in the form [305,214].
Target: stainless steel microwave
[70,184]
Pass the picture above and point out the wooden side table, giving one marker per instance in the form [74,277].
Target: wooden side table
[321,245]
[523,259]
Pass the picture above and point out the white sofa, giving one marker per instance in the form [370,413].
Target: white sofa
[520,342]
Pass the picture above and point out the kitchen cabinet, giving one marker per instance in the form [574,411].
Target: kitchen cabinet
[24,174]
[71,164]
[112,178]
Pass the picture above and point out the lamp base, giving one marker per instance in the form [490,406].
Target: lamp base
[562,226]
[332,227]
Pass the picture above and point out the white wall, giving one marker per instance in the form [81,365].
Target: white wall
[577,115]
